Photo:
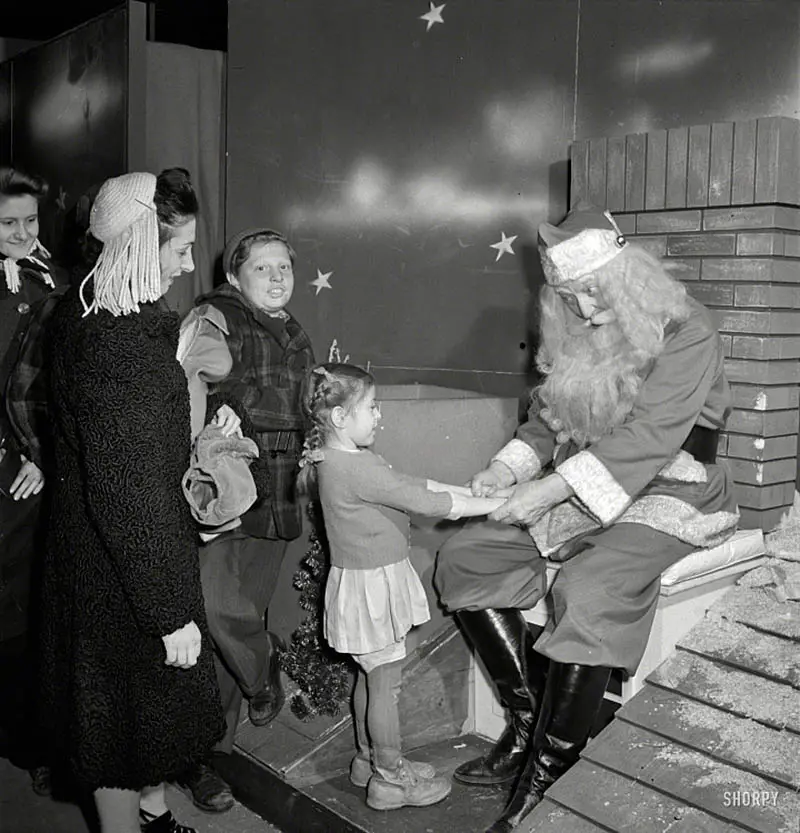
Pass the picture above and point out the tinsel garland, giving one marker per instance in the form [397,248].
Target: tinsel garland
[324,677]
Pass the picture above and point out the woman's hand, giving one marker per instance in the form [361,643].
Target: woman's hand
[532,500]
[486,483]
[183,646]
[29,480]
[228,420]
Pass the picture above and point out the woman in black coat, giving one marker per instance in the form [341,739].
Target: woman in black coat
[128,691]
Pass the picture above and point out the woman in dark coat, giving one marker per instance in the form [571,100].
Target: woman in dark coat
[129,696]
[28,277]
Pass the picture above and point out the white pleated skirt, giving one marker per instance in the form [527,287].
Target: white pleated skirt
[366,610]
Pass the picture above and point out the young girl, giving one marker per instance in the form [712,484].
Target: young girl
[373,594]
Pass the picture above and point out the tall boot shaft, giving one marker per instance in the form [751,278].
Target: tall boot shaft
[577,695]
[572,701]
[504,641]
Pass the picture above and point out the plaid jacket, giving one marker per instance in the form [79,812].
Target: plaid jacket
[24,420]
[271,360]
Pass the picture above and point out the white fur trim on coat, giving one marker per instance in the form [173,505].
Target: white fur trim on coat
[521,459]
[595,486]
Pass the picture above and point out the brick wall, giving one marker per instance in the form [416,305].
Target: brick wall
[722,201]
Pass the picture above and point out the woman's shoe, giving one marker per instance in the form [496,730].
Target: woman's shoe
[165,823]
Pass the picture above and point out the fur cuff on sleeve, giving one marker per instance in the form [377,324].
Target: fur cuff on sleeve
[521,459]
[595,486]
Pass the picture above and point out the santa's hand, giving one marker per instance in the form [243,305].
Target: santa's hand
[228,420]
[532,500]
[486,483]
[29,480]
[183,646]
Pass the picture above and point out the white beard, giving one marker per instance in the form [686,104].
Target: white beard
[592,381]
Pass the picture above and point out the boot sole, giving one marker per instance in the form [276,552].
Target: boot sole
[485,780]
[396,805]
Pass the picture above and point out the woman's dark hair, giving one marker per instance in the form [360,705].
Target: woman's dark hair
[242,251]
[176,201]
[16,183]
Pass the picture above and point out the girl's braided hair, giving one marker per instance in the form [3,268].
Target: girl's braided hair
[329,386]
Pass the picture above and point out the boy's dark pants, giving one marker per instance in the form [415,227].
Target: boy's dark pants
[239,574]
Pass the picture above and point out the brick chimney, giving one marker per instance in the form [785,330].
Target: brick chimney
[723,200]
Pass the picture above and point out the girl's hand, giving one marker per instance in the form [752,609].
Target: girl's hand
[29,480]
[228,420]
[183,646]
[487,482]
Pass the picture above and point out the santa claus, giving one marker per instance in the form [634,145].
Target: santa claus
[614,475]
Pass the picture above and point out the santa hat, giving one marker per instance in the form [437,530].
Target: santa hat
[124,219]
[585,240]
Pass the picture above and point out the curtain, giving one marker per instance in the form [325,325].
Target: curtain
[185,127]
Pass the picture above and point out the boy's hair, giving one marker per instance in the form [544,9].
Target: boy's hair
[328,386]
[238,250]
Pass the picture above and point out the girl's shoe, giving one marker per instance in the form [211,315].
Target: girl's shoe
[165,823]
[361,770]
[390,789]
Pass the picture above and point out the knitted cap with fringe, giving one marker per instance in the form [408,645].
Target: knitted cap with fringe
[124,219]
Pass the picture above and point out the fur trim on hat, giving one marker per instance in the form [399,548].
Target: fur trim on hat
[125,220]
[584,242]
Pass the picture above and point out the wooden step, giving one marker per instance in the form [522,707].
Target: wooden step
[606,800]
[739,692]
[693,778]
[730,642]
[767,752]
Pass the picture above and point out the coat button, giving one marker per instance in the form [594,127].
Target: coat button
[23,308]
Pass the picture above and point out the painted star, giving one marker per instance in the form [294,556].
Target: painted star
[433,16]
[504,246]
[61,201]
[322,281]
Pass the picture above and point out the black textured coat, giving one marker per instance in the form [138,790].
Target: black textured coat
[121,568]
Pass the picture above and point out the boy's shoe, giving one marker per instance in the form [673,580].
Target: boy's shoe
[265,705]
[207,788]
[361,770]
[390,789]
[40,780]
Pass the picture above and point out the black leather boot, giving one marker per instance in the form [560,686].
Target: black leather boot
[572,701]
[504,641]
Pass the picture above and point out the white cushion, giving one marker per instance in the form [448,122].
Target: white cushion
[744,545]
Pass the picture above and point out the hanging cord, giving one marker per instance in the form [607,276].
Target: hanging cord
[11,267]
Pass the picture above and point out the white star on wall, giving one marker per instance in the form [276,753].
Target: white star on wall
[433,16]
[322,281]
[504,246]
